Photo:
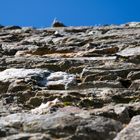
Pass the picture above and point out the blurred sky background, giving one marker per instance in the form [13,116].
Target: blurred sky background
[40,13]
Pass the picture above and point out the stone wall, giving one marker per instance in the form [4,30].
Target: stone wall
[70,83]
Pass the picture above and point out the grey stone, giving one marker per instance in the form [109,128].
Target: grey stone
[134,75]
[57,23]
[131,131]
[98,129]
[56,80]
[36,136]
[129,52]
[62,124]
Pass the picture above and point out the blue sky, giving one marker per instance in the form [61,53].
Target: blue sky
[40,13]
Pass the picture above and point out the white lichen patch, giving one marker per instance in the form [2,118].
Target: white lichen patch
[44,108]
[44,78]
[61,78]
[13,73]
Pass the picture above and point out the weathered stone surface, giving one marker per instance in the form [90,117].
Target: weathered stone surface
[130,52]
[60,80]
[70,83]
[11,74]
[134,75]
[131,131]
[36,136]
[56,80]
[61,124]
